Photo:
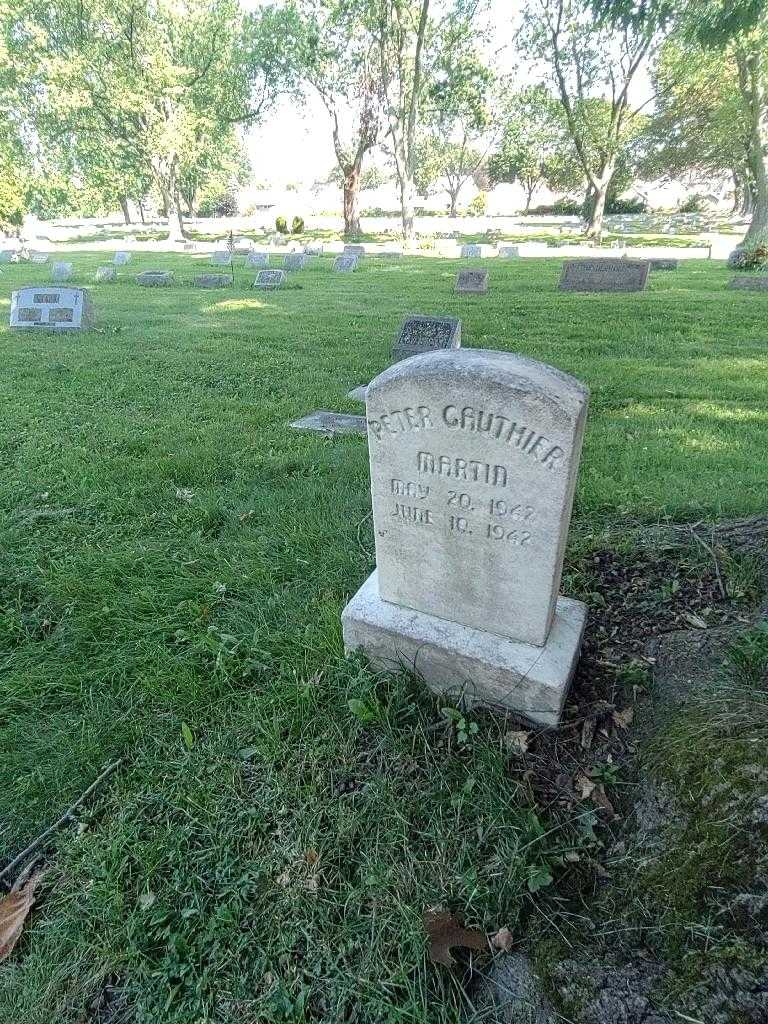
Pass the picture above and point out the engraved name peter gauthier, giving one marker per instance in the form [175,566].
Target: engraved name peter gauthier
[518,436]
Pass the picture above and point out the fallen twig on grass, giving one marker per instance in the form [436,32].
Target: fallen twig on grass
[65,817]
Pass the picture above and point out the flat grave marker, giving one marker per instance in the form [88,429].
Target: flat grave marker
[213,280]
[258,259]
[52,307]
[472,282]
[750,283]
[474,456]
[221,258]
[155,278]
[325,422]
[604,275]
[269,280]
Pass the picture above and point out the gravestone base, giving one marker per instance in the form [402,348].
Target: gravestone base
[469,664]
[358,394]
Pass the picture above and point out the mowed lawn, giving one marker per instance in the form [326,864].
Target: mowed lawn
[174,563]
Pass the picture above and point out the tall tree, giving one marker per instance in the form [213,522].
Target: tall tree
[416,40]
[535,149]
[157,77]
[699,130]
[737,29]
[341,63]
[592,68]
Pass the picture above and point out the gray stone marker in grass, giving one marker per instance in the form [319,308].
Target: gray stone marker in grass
[314,250]
[474,456]
[38,257]
[509,252]
[155,278]
[61,271]
[659,263]
[604,275]
[472,282]
[417,335]
[269,280]
[221,258]
[750,283]
[331,423]
[293,261]
[121,259]
[213,280]
[258,259]
[51,307]
[105,274]
[345,264]
[354,250]
[471,252]
[426,334]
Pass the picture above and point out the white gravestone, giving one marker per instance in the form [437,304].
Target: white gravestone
[269,280]
[222,258]
[120,259]
[61,271]
[52,307]
[474,457]
[258,259]
[345,264]
[294,261]
[38,257]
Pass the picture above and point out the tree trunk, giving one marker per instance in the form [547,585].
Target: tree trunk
[599,195]
[749,64]
[351,202]
[454,197]
[123,200]
[140,204]
[529,197]
[407,192]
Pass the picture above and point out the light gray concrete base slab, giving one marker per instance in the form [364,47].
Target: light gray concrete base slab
[332,423]
[358,394]
[480,668]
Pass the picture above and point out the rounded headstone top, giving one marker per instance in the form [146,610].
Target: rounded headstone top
[496,372]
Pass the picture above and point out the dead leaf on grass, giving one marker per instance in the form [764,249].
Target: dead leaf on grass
[584,786]
[694,620]
[588,733]
[623,719]
[503,939]
[517,742]
[599,797]
[14,909]
[444,932]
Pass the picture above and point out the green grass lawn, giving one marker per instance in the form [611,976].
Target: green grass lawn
[173,553]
